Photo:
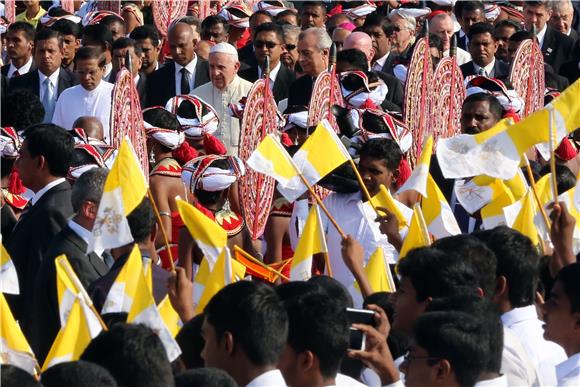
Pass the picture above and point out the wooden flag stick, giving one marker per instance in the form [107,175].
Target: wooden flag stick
[247,255]
[363,187]
[552,155]
[165,239]
[535,192]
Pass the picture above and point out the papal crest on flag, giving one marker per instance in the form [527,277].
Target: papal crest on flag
[124,190]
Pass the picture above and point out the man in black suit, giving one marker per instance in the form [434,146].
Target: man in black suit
[43,163]
[71,241]
[561,19]
[482,47]
[49,81]
[557,48]
[180,77]
[468,13]
[379,28]
[571,70]
[268,41]
[121,47]
[246,54]
[19,45]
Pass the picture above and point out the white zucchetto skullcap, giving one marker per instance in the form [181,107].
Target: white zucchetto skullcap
[224,48]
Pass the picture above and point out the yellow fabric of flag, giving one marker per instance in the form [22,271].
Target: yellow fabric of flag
[384,199]
[169,316]
[379,274]
[492,213]
[418,179]
[312,241]
[8,276]
[524,222]
[418,235]
[438,214]
[271,159]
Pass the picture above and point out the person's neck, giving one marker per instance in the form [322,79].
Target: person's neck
[49,72]
[504,306]
[43,182]
[572,347]
[5,181]
[85,223]
[150,69]
[274,64]
[247,372]
[488,375]
[19,62]
[162,155]
[32,10]
[126,250]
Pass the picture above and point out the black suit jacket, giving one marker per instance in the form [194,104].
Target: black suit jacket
[301,91]
[45,312]
[574,35]
[461,41]
[31,81]
[557,48]
[6,67]
[388,65]
[29,241]
[501,69]
[281,87]
[395,96]
[247,57]
[160,86]
[570,70]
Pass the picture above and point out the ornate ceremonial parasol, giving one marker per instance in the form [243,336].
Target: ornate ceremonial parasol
[110,5]
[165,11]
[10,11]
[527,75]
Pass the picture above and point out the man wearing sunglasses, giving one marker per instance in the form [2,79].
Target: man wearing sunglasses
[268,42]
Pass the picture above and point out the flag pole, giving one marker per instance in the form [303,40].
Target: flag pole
[423,223]
[365,191]
[165,239]
[535,192]
[552,155]
[247,255]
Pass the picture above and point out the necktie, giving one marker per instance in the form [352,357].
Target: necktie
[48,100]
[482,72]
[184,81]
[15,74]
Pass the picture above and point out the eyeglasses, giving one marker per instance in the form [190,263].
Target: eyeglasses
[408,358]
[290,47]
[261,44]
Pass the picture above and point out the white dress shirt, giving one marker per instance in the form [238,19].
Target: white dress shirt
[45,189]
[108,70]
[84,234]
[53,80]
[461,57]
[76,102]
[21,70]
[568,372]
[268,379]
[516,365]
[526,325]
[500,381]
[357,219]
[541,34]
[489,70]
[273,74]
[345,380]
[379,63]
[190,67]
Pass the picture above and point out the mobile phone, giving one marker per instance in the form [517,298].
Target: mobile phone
[359,316]
[357,339]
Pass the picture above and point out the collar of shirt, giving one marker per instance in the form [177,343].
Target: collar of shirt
[33,19]
[95,90]
[273,73]
[541,34]
[566,368]
[517,315]
[82,232]
[136,79]
[108,69]
[488,69]
[190,67]
[53,78]
[22,70]
[269,378]
[500,381]
[379,63]
[45,189]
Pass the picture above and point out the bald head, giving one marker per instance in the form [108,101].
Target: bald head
[360,41]
[181,45]
[91,125]
[442,26]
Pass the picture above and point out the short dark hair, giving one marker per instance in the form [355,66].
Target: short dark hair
[191,21]
[435,42]
[77,373]
[320,4]
[494,105]
[270,27]
[52,142]
[286,12]
[436,273]
[258,13]
[27,29]
[21,108]
[334,289]
[480,28]
[457,337]
[377,20]
[354,57]
[520,36]
[191,342]
[206,377]
[67,27]
[539,3]
[125,42]
[507,23]
[133,354]
[318,324]
[569,277]
[385,149]
[48,33]
[141,221]
[517,260]
[15,376]
[474,250]
[98,34]
[485,311]
[88,187]
[109,20]
[91,52]
[255,317]
[146,32]
[565,178]
[292,289]
[471,6]
[213,20]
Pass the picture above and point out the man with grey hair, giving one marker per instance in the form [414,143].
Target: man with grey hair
[313,52]
[289,55]
[71,241]
[561,19]
[442,26]
[403,32]
[225,88]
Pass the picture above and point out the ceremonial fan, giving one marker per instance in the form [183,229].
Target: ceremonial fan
[527,75]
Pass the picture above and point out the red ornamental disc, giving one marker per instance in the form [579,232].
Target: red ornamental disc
[445,101]
[109,5]
[165,11]
[415,110]
[256,189]
[126,118]
[10,11]
[527,75]
[325,93]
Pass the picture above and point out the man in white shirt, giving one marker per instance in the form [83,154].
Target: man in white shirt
[19,45]
[225,87]
[92,97]
[245,328]
[562,316]
[442,26]
[517,279]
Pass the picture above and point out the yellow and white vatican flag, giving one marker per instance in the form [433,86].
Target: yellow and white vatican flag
[498,151]
[312,241]
[524,222]
[492,214]
[384,199]
[209,236]
[320,154]
[477,192]
[81,327]
[169,316]
[271,159]
[571,199]
[418,235]
[378,274]
[124,190]
[14,348]
[225,272]
[8,275]
[438,215]
[200,280]
[418,179]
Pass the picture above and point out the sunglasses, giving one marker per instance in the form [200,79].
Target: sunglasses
[261,44]
[290,47]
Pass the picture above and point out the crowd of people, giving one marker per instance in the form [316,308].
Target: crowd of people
[485,305]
